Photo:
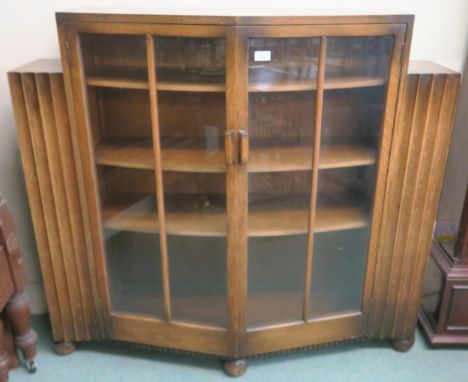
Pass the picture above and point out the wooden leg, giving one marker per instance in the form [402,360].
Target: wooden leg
[65,347]
[403,345]
[18,314]
[4,360]
[235,367]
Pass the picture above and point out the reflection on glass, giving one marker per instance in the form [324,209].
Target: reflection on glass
[131,231]
[337,272]
[134,268]
[282,81]
[116,74]
[191,102]
[351,129]
[198,279]
[114,57]
[276,279]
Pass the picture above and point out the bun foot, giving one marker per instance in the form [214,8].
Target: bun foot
[235,367]
[403,345]
[65,347]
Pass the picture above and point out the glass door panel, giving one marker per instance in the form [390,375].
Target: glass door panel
[299,209]
[282,98]
[190,82]
[356,74]
[120,125]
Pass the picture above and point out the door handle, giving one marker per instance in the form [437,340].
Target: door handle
[229,147]
[243,147]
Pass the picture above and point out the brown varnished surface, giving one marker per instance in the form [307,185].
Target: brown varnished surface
[271,159]
[42,122]
[422,135]
[237,118]
[395,90]
[261,224]
[136,82]
[222,17]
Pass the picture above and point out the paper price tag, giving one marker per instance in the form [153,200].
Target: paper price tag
[262,55]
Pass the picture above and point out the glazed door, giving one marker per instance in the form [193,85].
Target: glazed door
[320,109]
[157,124]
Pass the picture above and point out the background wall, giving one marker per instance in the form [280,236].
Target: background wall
[27,32]
[456,176]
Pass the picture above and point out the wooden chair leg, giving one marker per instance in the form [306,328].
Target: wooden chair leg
[18,313]
[4,359]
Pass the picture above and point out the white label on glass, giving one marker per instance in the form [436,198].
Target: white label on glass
[262,55]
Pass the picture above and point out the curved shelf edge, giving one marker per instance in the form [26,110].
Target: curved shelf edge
[253,87]
[270,159]
[261,224]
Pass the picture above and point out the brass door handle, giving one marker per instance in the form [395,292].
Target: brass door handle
[229,147]
[243,147]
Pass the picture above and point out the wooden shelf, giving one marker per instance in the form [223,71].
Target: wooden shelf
[121,78]
[279,159]
[140,155]
[126,153]
[307,85]
[262,159]
[282,222]
[170,80]
[182,82]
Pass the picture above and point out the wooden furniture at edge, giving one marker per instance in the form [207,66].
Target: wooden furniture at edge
[229,185]
[15,328]
[444,308]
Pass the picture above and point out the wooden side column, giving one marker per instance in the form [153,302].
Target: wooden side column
[50,169]
[420,144]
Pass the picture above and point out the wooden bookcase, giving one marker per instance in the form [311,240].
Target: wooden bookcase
[237,180]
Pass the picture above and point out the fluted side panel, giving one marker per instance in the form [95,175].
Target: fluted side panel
[419,153]
[49,166]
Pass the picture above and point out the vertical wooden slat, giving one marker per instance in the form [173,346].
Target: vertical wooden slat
[59,327]
[237,189]
[419,151]
[418,142]
[45,191]
[415,220]
[434,176]
[58,194]
[51,179]
[315,164]
[150,51]
[68,171]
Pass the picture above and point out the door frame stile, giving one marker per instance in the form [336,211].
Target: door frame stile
[153,94]
[236,190]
